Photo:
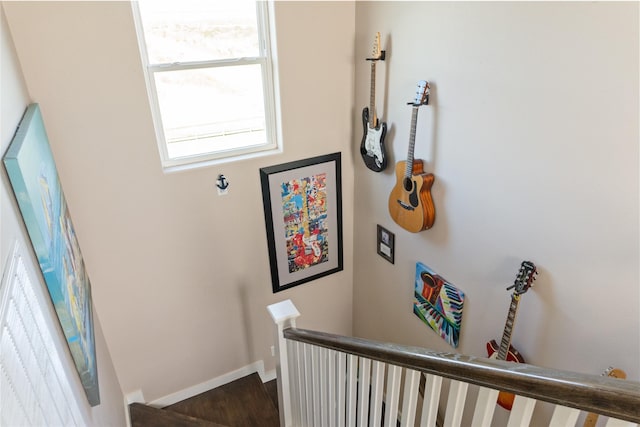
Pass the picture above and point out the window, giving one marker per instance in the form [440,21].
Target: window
[209,78]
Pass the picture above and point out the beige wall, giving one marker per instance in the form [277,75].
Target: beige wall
[532,135]
[180,275]
[14,99]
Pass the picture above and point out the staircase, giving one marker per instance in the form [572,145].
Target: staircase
[327,380]
[244,402]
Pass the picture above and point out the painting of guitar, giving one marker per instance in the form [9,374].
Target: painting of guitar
[410,202]
[372,145]
[592,419]
[524,280]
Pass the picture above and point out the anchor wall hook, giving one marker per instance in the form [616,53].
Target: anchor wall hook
[222,184]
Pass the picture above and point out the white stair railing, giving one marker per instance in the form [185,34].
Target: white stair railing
[284,315]
[327,380]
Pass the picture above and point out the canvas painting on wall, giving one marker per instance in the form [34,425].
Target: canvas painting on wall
[31,169]
[438,303]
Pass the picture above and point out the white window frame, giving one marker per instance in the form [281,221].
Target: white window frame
[272,144]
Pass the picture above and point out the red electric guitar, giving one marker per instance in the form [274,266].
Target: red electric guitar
[505,351]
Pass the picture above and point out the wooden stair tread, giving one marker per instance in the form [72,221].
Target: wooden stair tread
[145,416]
[243,402]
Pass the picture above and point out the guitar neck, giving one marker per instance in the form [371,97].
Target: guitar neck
[412,142]
[373,120]
[508,328]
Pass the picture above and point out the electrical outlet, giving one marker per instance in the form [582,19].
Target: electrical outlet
[273,351]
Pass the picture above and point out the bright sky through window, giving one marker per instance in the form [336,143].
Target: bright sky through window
[209,77]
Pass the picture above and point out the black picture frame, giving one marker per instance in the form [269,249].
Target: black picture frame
[303,218]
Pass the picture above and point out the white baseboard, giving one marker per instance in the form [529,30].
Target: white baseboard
[213,383]
[129,398]
[268,376]
[134,397]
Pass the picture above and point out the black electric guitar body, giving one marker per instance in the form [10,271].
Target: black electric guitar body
[372,146]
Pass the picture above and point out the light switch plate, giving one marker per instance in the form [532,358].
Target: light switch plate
[386,244]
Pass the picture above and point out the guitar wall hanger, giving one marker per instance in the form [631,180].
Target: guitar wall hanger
[426,97]
[380,58]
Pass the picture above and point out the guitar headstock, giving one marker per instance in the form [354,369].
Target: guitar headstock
[524,280]
[422,94]
[615,373]
[377,53]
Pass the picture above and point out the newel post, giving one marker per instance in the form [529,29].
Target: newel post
[284,315]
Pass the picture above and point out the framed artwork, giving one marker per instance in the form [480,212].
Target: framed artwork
[438,303]
[34,178]
[386,244]
[303,217]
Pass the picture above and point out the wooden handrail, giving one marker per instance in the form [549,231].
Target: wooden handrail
[593,393]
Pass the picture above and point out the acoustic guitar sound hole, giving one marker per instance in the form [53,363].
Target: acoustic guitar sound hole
[407,184]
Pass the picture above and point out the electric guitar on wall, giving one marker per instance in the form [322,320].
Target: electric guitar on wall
[410,202]
[505,351]
[372,145]
[592,419]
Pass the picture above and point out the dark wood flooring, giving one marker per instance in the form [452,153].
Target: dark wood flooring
[246,402]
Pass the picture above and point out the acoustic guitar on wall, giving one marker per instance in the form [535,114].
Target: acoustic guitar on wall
[524,280]
[372,145]
[592,419]
[410,202]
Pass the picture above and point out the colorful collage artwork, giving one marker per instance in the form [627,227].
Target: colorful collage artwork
[438,304]
[304,209]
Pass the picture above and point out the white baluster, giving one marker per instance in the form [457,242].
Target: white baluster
[410,397]
[341,394]
[308,384]
[485,406]
[324,392]
[521,411]
[394,375]
[377,392]
[294,372]
[564,416]
[432,387]
[364,375]
[317,395]
[332,386]
[455,403]
[352,383]
[301,397]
